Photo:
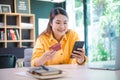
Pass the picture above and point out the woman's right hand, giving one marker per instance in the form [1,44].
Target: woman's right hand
[48,55]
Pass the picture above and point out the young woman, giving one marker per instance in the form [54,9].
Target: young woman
[57,32]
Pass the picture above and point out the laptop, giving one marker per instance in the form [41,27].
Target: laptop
[108,65]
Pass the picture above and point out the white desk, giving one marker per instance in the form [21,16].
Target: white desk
[74,72]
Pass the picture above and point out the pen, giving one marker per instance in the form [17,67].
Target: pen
[45,68]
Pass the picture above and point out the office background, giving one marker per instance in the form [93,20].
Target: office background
[99,20]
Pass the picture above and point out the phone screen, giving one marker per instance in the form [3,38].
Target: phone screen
[78,44]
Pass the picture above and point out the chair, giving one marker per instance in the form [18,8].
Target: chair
[7,61]
[27,56]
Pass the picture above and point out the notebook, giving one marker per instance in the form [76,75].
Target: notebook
[111,64]
[45,72]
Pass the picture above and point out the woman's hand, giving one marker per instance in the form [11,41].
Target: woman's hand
[45,57]
[79,54]
[49,54]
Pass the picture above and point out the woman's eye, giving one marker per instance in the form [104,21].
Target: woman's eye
[61,23]
[57,23]
[65,23]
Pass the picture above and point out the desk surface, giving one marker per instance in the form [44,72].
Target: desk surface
[73,72]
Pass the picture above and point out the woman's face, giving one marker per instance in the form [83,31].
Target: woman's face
[59,25]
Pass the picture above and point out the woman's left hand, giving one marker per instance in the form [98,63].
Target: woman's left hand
[79,54]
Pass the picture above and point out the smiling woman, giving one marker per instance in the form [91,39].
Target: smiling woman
[57,31]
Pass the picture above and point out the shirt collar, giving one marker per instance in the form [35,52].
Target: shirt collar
[52,38]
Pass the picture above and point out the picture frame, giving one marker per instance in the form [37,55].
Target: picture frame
[5,8]
[22,6]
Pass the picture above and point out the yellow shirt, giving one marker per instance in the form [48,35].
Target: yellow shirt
[62,56]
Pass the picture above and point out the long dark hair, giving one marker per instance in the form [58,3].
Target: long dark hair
[54,12]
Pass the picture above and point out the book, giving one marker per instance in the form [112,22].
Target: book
[8,35]
[1,34]
[17,34]
[12,34]
[47,77]
[44,70]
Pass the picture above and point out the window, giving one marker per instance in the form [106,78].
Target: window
[103,22]
[103,29]
[75,13]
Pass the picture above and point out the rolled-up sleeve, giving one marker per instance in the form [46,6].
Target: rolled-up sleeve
[37,51]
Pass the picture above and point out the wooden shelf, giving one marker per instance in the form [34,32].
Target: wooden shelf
[17,30]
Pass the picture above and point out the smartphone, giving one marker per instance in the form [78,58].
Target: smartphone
[78,44]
